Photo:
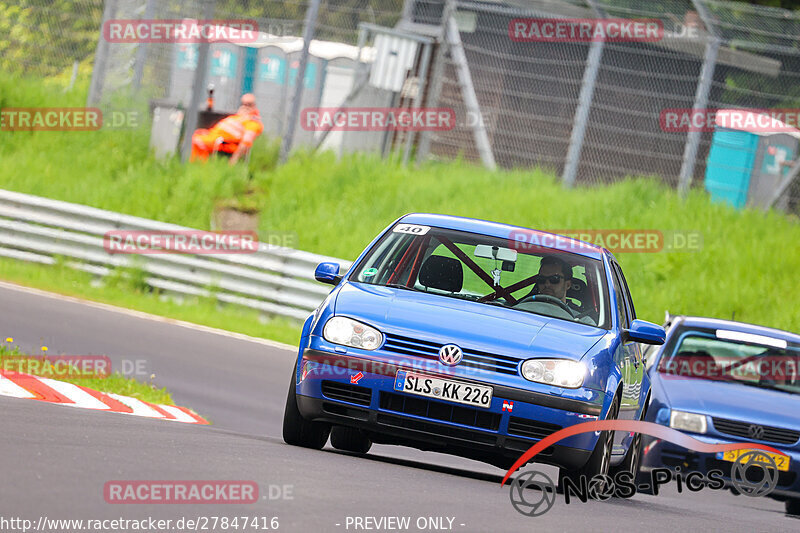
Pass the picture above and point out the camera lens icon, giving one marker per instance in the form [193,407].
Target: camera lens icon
[532,493]
[763,478]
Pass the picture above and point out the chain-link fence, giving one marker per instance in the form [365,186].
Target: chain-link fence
[47,37]
[590,110]
[593,111]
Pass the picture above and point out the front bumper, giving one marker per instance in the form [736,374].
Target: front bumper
[359,392]
[658,454]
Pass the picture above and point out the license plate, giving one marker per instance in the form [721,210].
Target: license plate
[781,461]
[443,389]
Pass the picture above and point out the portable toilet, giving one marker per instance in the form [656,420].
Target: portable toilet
[744,165]
[225,71]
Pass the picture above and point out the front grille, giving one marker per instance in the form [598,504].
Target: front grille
[472,358]
[741,429]
[466,416]
[347,393]
[531,428]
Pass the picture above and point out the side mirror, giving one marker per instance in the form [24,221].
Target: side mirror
[645,332]
[328,273]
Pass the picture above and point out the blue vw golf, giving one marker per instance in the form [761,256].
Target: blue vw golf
[476,339]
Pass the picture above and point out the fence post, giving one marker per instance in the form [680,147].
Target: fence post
[421,80]
[700,98]
[700,102]
[468,93]
[141,50]
[198,87]
[101,57]
[437,77]
[308,34]
[593,60]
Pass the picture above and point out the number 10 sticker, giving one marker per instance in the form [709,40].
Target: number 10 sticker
[413,229]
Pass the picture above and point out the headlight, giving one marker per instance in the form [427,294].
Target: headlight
[556,372]
[688,421]
[346,331]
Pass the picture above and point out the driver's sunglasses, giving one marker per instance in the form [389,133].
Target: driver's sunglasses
[555,279]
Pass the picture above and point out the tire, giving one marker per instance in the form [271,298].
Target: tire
[633,457]
[599,462]
[349,440]
[793,507]
[298,431]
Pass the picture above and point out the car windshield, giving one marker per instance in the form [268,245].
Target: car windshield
[489,270]
[736,357]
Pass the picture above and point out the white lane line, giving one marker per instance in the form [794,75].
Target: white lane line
[179,415]
[139,407]
[81,398]
[9,388]
[148,316]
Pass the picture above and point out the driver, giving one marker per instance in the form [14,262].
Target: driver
[554,277]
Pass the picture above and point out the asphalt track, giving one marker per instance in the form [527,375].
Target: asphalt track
[55,460]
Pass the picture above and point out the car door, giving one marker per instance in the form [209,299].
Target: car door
[636,352]
[629,359]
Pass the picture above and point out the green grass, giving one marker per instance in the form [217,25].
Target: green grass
[747,265]
[12,360]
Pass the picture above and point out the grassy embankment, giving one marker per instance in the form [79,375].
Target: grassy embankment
[747,264]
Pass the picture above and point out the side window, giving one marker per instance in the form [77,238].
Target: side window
[628,298]
[623,315]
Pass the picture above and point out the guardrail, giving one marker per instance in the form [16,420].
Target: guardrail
[273,279]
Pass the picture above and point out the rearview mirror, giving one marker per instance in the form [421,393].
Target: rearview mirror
[496,252]
[646,332]
[328,273]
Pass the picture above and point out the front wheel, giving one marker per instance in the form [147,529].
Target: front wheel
[298,431]
[599,462]
[633,457]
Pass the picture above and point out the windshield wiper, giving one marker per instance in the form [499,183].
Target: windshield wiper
[766,386]
[401,286]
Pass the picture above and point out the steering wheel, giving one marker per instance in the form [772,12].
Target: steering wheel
[546,298]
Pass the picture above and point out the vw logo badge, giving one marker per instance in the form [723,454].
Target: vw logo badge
[756,432]
[450,355]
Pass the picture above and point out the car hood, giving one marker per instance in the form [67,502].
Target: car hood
[733,401]
[468,324]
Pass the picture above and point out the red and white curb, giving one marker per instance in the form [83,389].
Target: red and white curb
[21,385]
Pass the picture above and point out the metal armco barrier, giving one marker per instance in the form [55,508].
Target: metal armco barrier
[273,280]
